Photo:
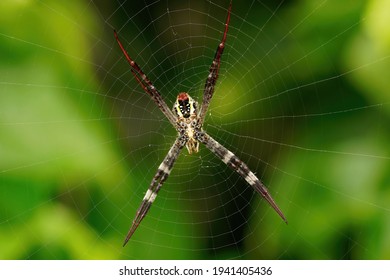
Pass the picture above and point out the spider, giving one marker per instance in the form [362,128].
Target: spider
[187,118]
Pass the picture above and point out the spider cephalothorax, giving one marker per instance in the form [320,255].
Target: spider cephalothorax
[188,122]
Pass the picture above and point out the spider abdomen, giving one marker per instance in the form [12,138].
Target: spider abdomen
[185,106]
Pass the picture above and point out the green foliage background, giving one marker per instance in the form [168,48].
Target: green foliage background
[65,164]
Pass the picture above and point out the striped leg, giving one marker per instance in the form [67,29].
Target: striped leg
[213,73]
[147,85]
[158,180]
[241,168]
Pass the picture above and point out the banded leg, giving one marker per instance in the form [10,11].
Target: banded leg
[213,73]
[241,168]
[147,85]
[158,180]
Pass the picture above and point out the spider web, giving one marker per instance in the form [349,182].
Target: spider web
[302,98]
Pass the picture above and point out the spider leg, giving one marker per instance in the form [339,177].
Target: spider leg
[241,168]
[158,180]
[147,85]
[213,73]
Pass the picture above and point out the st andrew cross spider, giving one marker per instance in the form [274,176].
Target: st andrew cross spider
[188,122]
